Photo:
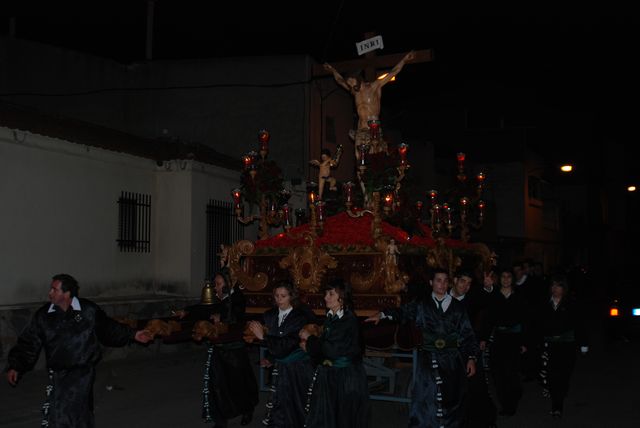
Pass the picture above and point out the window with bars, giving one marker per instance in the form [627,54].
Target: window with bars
[222,229]
[134,222]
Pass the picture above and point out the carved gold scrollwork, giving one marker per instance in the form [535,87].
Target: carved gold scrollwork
[394,284]
[443,257]
[384,274]
[486,255]
[308,264]
[239,271]
[363,283]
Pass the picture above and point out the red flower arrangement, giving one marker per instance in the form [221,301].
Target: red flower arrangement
[267,182]
[345,231]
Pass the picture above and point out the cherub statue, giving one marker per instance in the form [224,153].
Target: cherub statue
[325,164]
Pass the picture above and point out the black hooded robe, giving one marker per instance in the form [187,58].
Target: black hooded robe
[292,369]
[440,387]
[71,342]
[340,392]
[230,388]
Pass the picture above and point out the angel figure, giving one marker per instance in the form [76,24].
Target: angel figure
[325,164]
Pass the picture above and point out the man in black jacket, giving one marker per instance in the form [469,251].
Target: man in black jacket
[70,330]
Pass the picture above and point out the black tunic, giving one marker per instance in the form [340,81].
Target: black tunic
[440,387]
[480,304]
[71,342]
[510,323]
[562,330]
[230,384]
[481,410]
[292,369]
[340,397]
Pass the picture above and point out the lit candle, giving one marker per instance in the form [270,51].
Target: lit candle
[363,149]
[285,214]
[433,194]
[388,200]
[402,151]
[236,194]
[447,210]
[247,160]
[480,177]
[436,214]
[264,136]
[320,206]
[348,191]
[419,208]
[461,175]
[263,139]
[464,205]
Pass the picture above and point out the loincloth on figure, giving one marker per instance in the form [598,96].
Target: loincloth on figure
[376,145]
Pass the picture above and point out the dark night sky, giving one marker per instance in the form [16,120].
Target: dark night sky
[553,70]
[568,77]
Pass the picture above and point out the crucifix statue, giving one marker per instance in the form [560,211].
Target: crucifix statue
[367,95]
[367,92]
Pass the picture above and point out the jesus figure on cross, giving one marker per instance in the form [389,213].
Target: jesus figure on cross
[367,95]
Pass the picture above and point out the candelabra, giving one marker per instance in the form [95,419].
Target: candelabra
[461,208]
[262,186]
[385,179]
[316,208]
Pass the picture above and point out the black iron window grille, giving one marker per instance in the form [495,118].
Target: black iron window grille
[222,229]
[134,222]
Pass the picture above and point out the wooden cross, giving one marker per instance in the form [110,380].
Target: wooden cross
[372,62]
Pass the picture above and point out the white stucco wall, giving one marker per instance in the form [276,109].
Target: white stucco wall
[171,234]
[60,214]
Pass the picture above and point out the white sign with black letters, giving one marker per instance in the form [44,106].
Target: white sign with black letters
[369,45]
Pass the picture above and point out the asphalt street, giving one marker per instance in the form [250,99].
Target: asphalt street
[160,387]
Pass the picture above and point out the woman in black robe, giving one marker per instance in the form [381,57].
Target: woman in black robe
[230,388]
[291,366]
[509,321]
[339,389]
[560,322]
